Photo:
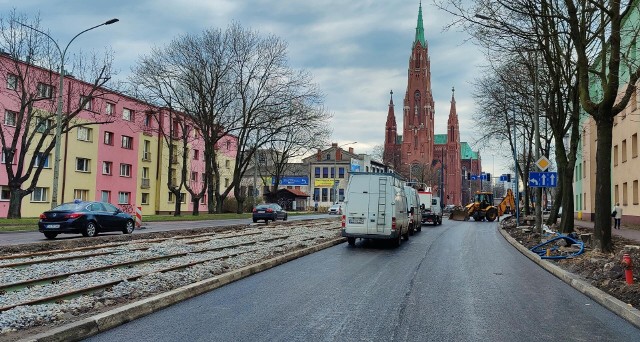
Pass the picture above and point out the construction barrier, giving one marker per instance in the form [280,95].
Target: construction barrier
[138,217]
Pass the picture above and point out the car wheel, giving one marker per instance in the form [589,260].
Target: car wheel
[286,216]
[128,229]
[266,221]
[50,235]
[397,242]
[255,220]
[351,241]
[90,229]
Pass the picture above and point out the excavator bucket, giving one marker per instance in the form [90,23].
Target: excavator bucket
[459,214]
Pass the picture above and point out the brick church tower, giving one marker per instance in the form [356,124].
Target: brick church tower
[453,164]
[416,145]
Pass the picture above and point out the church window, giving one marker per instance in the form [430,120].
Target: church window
[417,61]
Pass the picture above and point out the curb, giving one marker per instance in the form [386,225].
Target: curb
[620,308]
[108,320]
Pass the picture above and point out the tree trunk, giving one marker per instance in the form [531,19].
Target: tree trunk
[196,206]
[178,205]
[15,203]
[602,227]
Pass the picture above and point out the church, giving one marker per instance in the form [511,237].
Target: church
[440,161]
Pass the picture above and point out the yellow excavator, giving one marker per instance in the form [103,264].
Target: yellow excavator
[483,208]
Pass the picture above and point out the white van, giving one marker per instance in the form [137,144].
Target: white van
[415,215]
[375,207]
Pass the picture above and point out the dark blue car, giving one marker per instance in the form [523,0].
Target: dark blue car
[269,212]
[86,218]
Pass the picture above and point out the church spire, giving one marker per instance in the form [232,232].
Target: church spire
[452,125]
[420,29]
[391,117]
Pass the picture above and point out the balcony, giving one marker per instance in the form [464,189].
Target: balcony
[145,184]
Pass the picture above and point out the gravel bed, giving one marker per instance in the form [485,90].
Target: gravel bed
[24,317]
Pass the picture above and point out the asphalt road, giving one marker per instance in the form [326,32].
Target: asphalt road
[15,238]
[460,281]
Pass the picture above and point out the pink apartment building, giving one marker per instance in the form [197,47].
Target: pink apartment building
[125,161]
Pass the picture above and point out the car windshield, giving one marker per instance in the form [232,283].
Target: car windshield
[263,206]
[70,206]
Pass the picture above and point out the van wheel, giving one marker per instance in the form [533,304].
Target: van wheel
[398,241]
[411,231]
[419,228]
[351,241]
[406,235]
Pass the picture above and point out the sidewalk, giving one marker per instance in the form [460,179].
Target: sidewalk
[627,233]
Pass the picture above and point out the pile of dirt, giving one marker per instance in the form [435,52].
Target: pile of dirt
[602,270]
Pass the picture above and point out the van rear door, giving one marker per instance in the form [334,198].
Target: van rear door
[357,206]
[379,202]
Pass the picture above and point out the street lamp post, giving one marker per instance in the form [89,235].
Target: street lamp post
[56,160]
[335,170]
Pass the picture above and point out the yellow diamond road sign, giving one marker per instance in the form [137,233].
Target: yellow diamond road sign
[543,163]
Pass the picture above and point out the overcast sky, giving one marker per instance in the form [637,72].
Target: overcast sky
[356,50]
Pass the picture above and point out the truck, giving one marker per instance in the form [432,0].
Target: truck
[430,207]
[415,214]
[375,207]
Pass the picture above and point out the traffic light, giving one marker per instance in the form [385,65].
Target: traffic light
[468,175]
[508,177]
[488,176]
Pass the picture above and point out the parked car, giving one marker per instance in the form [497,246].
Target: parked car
[449,208]
[269,212]
[336,209]
[86,218]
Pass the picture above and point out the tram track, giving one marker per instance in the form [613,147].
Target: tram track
[254,243]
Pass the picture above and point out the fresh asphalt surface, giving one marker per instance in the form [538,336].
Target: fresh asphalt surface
[460,281]
[15,238]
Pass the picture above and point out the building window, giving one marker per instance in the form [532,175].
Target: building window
[105,196]
[317,172]
[127,142]
[194,176]
[146,151]
[624,150]
[43,125]
[616,194]
[183,197]
[10,118]
[107,167]
[108,138]
[341,172]
[324,194]
[316,194]
[45,90]
[84,133]
[147,120]
[325,172]
[196,154]
[584,169]
[12,82]
[82,164]
[615,155]
[87,100]
[333,172]
[341,195]
[81,194]
[110,108]
[144,199]
[127,114]
[635,192]
[5,193]
[124,197]
[624,194]
[634,145]
[4,156]
[228,142]
[125,170]
[227,163]
[39,194]
[226,182]
[171,199]
[41,158]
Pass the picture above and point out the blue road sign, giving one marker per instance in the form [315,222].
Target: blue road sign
[503,178]
[543,179]
[474,177]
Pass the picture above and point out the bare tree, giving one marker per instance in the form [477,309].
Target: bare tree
[27,135]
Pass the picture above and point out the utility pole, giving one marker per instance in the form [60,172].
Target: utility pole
[537,137]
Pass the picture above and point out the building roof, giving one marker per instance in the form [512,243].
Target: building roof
[420,29]
[466,151]
[295,192]
[439,139]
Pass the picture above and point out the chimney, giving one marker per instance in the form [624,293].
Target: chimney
[319,155]
[351,150]
[339,154]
